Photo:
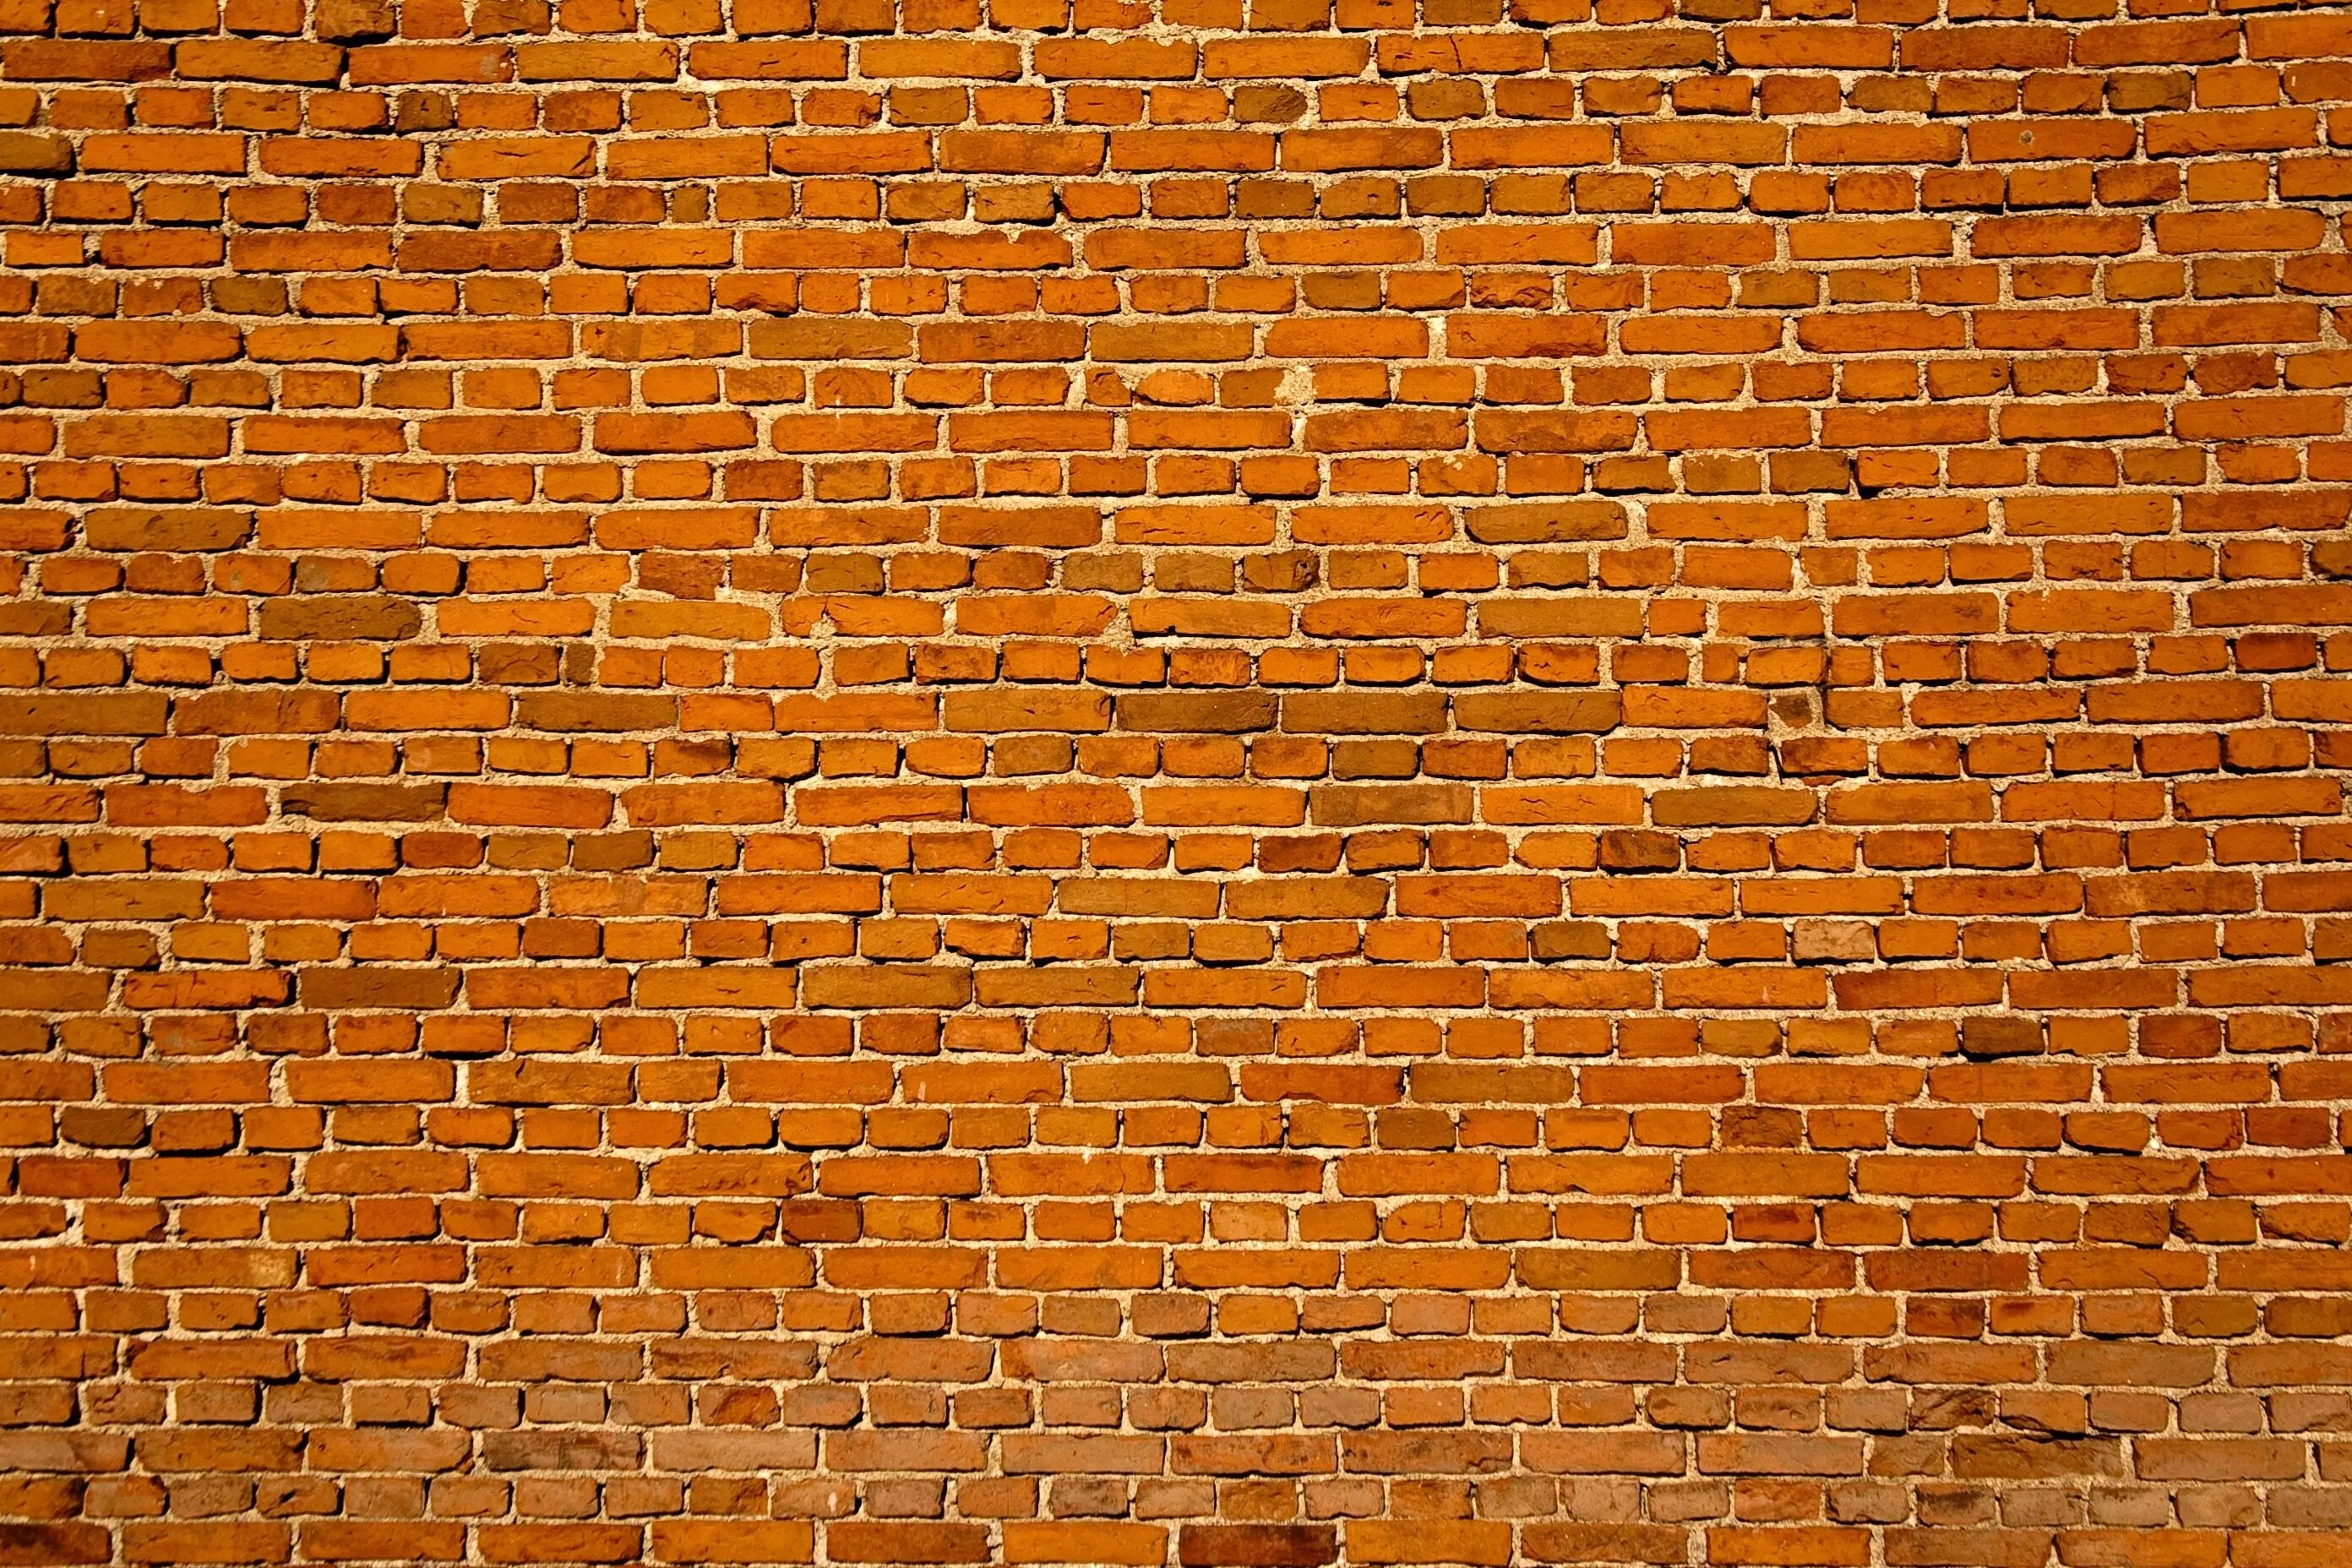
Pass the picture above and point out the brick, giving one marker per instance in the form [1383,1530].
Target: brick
[1272,785]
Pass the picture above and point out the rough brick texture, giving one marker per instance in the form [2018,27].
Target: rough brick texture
[1238,783]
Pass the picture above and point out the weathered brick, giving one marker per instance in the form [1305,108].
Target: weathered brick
[1277,785]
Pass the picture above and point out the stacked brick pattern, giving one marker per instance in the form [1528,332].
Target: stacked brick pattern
[1252,782]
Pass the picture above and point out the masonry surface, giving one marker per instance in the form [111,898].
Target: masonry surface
[1209,784]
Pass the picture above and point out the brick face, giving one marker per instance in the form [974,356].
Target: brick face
[1208,785]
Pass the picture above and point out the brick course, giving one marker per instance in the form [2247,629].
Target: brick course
[1229,784]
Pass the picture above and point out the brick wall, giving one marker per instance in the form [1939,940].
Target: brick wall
[1245,784]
